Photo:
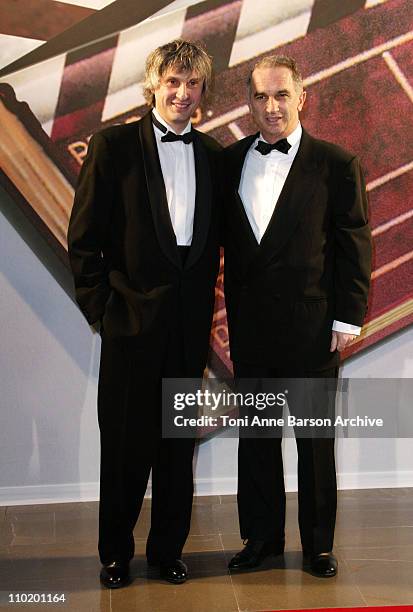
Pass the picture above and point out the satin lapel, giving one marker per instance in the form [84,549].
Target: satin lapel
[202,214]
[156,190]
[295,195]
[236,172]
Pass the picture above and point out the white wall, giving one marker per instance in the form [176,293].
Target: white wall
[49,447]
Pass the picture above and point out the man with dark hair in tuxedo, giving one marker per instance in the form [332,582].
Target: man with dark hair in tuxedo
[144,251]
[297,273]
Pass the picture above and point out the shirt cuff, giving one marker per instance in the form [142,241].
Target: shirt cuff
[346,328]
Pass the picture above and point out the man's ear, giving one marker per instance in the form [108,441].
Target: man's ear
[302,99]
[249,102]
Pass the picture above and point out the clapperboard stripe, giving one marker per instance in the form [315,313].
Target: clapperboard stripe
[90,66]
[215,23]
[370,3]
[27,24]
[111,19]
[328,11]
[40,19]
[39,86]
[93,4]
[13,47]
[264,26]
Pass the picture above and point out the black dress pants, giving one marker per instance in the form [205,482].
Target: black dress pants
[261,493]
[129,413]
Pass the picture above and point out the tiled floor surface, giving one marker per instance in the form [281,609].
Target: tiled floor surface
[52,549]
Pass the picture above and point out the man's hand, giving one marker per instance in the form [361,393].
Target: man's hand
[340,340]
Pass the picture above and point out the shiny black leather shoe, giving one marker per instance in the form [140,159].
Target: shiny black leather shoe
[115,575]
[323,565]
[254,554]
[175,572]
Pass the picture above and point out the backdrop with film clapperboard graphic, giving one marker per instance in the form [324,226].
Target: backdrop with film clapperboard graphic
[69,69]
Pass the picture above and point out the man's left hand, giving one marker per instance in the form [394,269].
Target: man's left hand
[340,341]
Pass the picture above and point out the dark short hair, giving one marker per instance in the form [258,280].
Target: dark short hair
[273,61]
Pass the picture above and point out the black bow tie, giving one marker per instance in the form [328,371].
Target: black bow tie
[186,138]
[281,145]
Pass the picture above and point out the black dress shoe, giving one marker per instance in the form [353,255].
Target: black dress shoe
[175,572]
[254,554]
[323,565]
[115,575]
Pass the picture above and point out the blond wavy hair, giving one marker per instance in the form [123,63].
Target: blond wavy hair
[185,55]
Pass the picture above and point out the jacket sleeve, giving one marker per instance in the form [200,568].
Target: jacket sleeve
[88,229]
[352,245]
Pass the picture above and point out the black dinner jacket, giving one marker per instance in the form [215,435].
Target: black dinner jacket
[122,247]
[311,267]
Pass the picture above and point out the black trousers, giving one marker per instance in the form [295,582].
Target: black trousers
[261,493]
[130,423]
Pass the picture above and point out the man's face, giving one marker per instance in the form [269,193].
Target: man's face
[275,102]
[177,96]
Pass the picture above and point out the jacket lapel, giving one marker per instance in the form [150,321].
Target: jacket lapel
[202,214]
[157,193]
[236,172]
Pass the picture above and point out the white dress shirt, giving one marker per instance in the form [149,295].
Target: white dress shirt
[178,170]
[262,180]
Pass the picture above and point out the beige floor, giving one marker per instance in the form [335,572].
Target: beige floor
[52,549]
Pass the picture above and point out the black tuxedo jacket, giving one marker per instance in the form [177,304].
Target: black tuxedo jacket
[311,267]
[122,247]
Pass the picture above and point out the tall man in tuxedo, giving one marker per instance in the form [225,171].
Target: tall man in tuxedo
[297,270]
[144,250]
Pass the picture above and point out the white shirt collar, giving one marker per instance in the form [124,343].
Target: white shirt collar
[188,127]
